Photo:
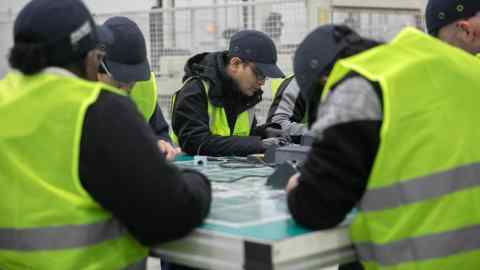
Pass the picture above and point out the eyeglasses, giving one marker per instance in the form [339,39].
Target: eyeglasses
[258,73]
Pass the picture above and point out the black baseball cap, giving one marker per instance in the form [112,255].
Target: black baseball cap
[440,13]
[317,53]
[257,47]
[64,28]
[126,57]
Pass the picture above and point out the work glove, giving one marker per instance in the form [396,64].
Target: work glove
[261,130]
[273,133]
[275,142]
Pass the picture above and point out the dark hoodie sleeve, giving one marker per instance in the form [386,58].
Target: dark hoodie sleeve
[335,174]
[190,122]
[122,168]
[159,125]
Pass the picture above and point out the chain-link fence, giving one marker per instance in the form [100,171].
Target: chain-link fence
[175,34]
[380,23]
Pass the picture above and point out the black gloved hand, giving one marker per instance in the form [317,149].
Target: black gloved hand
[261,130]
[273,133]
[275,142]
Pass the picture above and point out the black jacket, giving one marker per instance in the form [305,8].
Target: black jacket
[347,135]
[190,119]
[159,125]
[123,170]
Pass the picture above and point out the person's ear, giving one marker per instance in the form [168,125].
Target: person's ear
[235,61]
[235,64]
[91,64]
[467,31]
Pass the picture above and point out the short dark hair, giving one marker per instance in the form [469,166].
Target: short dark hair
[28,58]
[31,58]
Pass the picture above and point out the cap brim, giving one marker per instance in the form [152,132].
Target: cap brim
[129,73]
[270,70]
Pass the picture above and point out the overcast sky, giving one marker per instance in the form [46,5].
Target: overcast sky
[95,6]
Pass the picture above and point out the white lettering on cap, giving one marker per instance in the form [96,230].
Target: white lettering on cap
[80,33]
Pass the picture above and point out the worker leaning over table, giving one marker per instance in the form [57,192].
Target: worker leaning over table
[126,67]
[412,168]
[214,111]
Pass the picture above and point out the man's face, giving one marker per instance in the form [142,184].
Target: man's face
[248,78]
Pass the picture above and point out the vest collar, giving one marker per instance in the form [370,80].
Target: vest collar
[59,71]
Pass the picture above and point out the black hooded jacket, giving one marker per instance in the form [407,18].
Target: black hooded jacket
[190,119]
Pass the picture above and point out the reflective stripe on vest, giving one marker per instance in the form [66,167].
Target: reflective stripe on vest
[419,209]
[60,237]
[422,188]
[277,83]
[425,247]
[48,220]
[144,95]
[218,122]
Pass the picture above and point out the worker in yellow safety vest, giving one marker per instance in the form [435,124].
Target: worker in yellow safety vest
[126,67]
[214,111]
[396,138]
[84,184]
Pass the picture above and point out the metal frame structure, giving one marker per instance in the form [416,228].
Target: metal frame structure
[215,251]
